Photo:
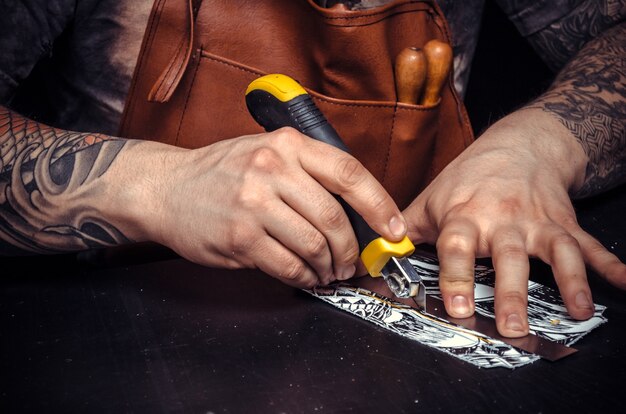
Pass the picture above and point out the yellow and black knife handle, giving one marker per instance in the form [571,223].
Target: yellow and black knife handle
[276,101]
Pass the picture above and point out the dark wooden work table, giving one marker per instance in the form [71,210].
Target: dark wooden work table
[171,336]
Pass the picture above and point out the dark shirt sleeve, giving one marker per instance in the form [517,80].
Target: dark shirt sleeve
[558,29]
[28,29]
[531,16]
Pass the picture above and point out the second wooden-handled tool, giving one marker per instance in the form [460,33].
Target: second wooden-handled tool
[439,62]
[276,101]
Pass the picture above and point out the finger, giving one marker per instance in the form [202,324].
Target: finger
[561,250]
[604,263]
[510,261]
[456,249]
[298,235]
[345,176]
[274,259]
[420,226]
[361,270]
[323,212]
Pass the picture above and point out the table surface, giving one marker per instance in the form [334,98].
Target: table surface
[145,335]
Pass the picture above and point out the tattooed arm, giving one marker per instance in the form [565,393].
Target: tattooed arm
[237,203]
[589,98]
[50,181]
[508,195]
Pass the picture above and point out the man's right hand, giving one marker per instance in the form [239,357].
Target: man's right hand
[261,201]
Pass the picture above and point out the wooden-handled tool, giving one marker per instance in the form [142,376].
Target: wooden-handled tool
[410,73]
[439,62]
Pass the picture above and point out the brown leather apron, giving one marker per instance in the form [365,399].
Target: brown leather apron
[198,57]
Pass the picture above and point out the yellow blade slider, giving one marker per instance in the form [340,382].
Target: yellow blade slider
[378,252]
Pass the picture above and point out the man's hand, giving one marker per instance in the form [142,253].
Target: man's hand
[507,197]
[257,201]
[265,201]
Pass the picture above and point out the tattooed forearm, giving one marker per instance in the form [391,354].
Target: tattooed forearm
[560,41]
[17,133]
[589,98]
[50,183]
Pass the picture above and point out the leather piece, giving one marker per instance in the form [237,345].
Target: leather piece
[343,58]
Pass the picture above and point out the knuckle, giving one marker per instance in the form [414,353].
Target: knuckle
[332,216]
[455,280]
[455,244]
[265,159]
[512,298]
[285,137]
[513,251]
[240,243]
[294,270]
[349,171]
[315,244]
[564,240]
[351,254]
[569,221]
[378,201]
[595,248]
[252,197]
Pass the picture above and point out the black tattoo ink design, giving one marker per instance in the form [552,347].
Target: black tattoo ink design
[49,187]
[560,41]
[589,98]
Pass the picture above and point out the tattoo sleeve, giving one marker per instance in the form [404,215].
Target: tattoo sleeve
[588,96]
[560,41]
[50,188]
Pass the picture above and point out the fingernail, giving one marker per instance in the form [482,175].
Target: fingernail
[583,301]
[514,322]
[397,226]
[347,272]
[460,305]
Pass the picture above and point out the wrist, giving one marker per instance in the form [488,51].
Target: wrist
[138,181]
[539,135]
